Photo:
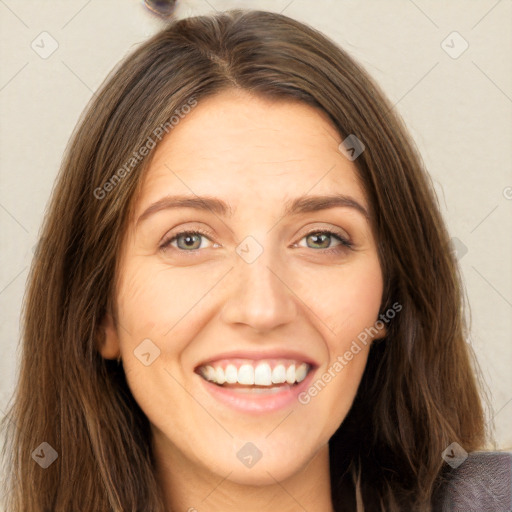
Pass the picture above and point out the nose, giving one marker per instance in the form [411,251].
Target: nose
[261,296]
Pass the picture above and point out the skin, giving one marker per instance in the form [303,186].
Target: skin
[254,155]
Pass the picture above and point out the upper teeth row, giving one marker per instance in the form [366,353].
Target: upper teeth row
[261,375]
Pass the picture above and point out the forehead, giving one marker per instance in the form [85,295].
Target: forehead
[237,145]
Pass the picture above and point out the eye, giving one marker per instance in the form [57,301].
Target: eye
[190,241]
[187,241]
[320,238]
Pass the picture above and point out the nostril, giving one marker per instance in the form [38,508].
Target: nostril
[163,8]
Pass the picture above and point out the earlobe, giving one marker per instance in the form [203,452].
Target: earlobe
[382,331]
[382,334]
[108,340]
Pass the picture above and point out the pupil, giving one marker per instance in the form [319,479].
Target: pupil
[318,236]
[189,240]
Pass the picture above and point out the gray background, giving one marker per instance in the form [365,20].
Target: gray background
[456,105]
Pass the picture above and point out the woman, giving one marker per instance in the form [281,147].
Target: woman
[244,295]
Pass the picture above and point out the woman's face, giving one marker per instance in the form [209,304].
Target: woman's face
[260,290]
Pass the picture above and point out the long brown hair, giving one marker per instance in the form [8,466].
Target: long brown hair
[418,393]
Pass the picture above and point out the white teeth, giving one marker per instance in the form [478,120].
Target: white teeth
[231,374]
[301,372]
[290,374]
[279,374]
[245,375]
[209,373]
[219,376]
[261,375]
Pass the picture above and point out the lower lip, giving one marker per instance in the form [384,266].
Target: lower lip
[256,402]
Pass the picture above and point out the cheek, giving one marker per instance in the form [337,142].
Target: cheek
[344,299]
[154,300]
[359,304]
[348,306]
[160,310]
[360,299]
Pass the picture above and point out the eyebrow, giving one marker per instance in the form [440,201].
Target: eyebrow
[297,206]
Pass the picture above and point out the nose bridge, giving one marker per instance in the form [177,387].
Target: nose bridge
[260,296]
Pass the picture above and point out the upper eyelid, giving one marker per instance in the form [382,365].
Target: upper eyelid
[333,231]
[167,239]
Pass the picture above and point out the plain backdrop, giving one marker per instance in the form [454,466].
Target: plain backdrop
[447,67]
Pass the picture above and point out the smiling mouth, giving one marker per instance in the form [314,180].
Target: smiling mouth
[264,375]
[250,385]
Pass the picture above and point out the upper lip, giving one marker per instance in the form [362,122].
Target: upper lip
[258,355]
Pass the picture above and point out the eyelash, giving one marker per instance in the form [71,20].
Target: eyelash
[344,243]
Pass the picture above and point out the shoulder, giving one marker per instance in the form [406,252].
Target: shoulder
[483,482]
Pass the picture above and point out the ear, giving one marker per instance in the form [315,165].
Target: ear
[383,331]
[108,343]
